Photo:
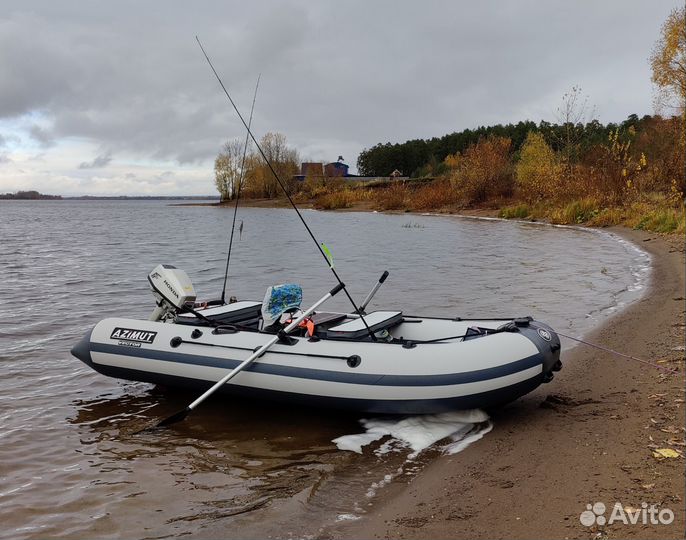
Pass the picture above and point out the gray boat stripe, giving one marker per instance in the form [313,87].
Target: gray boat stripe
[324,374]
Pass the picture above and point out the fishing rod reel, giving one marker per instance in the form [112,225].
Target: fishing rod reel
[173,292]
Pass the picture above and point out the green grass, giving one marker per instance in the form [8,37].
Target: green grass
[664,220]
[581,211]
[521,211]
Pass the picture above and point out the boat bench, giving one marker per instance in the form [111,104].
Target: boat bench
[324,317]
[238,312]
[355,329]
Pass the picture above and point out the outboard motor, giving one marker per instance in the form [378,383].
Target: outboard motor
[172,289]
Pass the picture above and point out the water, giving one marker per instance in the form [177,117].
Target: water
[69,465]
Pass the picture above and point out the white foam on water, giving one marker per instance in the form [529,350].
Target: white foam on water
[416,432]
[381,483]
[465,438]
[354,443]
[347,517]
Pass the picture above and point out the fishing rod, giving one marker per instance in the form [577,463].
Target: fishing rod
[290,200]
[238,191]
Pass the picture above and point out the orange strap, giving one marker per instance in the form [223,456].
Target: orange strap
[305,323]
[309,324]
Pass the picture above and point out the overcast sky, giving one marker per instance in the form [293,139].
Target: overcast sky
[116,97]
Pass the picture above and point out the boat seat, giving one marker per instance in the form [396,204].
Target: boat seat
[323,317]
[226,314]
[355,329]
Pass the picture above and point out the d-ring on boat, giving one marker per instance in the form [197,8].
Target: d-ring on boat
[412,364]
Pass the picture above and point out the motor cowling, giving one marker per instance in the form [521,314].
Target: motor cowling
[172,289]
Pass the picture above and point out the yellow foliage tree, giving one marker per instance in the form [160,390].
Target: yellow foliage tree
[259,179]
[539,171]
[668,61]
[484,170]
[623,174]
[452,161]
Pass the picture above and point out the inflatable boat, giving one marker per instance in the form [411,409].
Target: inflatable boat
[376,362]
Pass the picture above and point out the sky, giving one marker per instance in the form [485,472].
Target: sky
[115,98]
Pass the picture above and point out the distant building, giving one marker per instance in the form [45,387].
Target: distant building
[311,169]
[336,168]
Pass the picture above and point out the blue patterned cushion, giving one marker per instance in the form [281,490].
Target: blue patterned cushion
[280,298]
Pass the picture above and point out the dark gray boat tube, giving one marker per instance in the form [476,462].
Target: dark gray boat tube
[82,350]
[548,344]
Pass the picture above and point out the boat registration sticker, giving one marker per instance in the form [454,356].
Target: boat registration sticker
[132,335]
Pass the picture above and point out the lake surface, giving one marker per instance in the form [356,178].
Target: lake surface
[69,465]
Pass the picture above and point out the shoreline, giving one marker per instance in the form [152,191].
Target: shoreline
[588,437]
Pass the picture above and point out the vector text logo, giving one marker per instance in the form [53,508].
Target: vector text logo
[646,514]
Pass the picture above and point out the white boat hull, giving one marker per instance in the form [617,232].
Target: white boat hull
[361,375]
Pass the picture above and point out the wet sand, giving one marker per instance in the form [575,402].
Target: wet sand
[587,437]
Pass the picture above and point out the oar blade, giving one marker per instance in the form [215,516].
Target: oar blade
[174,418]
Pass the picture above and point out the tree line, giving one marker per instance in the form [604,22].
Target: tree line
[28,195]
[426,157]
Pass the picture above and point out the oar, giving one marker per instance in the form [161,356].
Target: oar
[177,417]
[373,291]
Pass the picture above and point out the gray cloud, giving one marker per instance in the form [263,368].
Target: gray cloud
[44,137]
[336,77]
[7,140]
[98,162]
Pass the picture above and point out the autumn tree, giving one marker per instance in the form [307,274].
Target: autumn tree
[538,170]
[668,62]
[484,170]
[661,140]
[227,169]
[260,180]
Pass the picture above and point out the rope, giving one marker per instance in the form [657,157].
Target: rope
[612,351]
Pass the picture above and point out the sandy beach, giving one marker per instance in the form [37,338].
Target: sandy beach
[589,437]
